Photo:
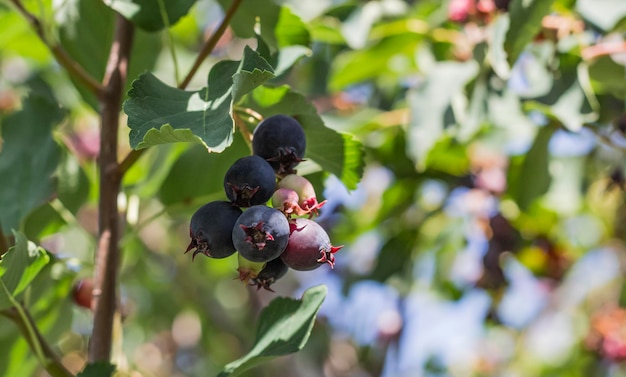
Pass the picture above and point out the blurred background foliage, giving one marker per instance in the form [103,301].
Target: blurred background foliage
[485,238]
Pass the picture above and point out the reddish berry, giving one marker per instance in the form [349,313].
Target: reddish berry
[309,246]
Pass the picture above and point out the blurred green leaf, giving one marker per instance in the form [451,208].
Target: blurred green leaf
[29,157]
[73,184]
[430,102]
[534,176]
[147,13]
[101,369]
[158,113]
[608,77]
[497,53]
[603,13]
[19,266]
[17,37]
[290,30]
[525,24]
[353,67]
[266,12]
[284,327]
[335,152]
[567,100]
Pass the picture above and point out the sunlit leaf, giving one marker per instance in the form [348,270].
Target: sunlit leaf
[284,327]
[19,266]
[158,113]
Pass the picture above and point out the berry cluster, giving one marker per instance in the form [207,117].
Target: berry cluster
[269,240]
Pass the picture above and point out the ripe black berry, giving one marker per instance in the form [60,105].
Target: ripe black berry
[280,140]
[309,246]
[211,227]
[249,181]
[261,234]
[273,270]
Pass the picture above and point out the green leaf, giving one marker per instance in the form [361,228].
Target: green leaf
[290,30]
[608,77]
[19,266]
[99,369]
[284,328]
[147,13]
[158,113]
[525,23]
[430,103]
[534,177]
[356,66]
[72,183]
[29,157]
[50,304]
[335,152]
[265,12]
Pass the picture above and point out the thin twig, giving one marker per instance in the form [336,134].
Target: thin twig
[130,160]
[245,132]
[107,261]
[28,328]
[208,47]
[211,43]
[62,57]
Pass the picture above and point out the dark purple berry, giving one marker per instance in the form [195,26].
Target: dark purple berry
[261,233]
[309,246]
[211,227]
[280,140]
[273,270]
[249,181]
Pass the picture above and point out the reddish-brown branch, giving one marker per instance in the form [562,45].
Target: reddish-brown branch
[108,254]
[61,56]
[207,48]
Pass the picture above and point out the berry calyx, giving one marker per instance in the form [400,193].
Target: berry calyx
[273,270]
[286,201]
[210,230]
[280,140]
[309,246]
[307,199]
[249,181]
[260,234]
